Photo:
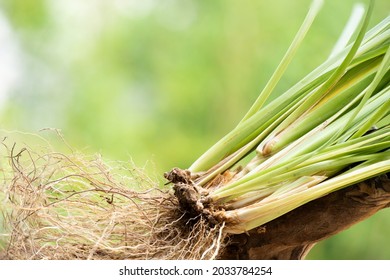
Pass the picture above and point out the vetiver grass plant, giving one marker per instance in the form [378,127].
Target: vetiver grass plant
[327,132]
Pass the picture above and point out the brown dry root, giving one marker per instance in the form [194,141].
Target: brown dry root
[72,207]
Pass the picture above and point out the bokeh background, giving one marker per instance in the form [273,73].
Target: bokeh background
[159,81]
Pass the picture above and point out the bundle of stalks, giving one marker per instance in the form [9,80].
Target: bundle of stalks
[327,132]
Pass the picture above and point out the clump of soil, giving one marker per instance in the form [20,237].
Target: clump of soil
[57,206]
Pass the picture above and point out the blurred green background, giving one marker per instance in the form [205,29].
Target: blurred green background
[159,81]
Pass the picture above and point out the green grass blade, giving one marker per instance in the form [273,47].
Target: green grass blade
[349,29]
[313,11]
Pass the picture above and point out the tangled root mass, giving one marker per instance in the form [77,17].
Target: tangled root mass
[57,206]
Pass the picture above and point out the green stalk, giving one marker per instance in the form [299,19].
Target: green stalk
[349,29]
[311,15]
[378,115]
[385,65]
[252,216]
[276,190]
[307,116]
